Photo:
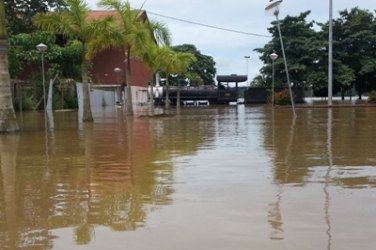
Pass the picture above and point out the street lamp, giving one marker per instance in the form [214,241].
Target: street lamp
[247,61]
[330,54]
[274,9]
[117,71]
[274,57]
[42,48]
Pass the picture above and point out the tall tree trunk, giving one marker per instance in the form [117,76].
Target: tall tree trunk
[151,95]
[87,115]
[8,157]
[129,101]
[167,99]
[8,121]
[342,93]
[178,96]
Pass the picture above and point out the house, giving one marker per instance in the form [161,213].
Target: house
[103,75]
[108,70]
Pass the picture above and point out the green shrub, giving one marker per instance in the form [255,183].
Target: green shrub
[372,97]
[282,98]
[27,103]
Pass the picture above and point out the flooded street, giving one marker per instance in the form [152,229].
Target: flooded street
[231,177]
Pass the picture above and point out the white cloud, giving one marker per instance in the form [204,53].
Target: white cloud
[228,49]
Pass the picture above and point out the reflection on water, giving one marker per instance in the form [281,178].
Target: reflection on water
[275,216]
[78,178]
[212,178]
[327,176]
[336,150]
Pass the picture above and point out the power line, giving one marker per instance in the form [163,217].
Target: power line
[208,26]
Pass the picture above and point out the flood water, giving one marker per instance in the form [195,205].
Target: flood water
[232,177]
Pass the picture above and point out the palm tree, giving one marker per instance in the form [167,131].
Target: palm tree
[174,63]
[95,35]
[138,35]
[155,58]
[184,60]
[8,121]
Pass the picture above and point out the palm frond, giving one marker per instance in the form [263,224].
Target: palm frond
[55,22]
[160,32]
[104,35]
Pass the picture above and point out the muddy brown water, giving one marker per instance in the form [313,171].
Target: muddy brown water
[208,178]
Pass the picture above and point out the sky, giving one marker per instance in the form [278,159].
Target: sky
[230,49]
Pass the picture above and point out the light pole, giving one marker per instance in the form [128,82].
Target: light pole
[117,71]
[274,57]
[330,53]
[42,48]
[247,61]
[274,8]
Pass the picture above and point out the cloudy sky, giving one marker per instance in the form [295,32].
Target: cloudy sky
[230,48]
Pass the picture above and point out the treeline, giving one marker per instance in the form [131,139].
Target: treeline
[306,45]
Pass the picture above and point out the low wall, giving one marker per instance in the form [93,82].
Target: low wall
[260,95]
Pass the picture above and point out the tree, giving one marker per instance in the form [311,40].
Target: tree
[63,60]
[95,35]
[163,58]
[300,41]
[21,13]
[203,70]
[174,63]
[184,61]
[63,63]
[137,36]
[356,45]
[154,58]
[8,121]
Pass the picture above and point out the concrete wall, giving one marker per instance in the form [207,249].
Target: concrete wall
[260,95]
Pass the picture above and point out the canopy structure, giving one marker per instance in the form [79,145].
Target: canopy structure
[232,78]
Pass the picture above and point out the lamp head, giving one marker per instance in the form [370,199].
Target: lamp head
[273,56]
[41,47]
[273,7]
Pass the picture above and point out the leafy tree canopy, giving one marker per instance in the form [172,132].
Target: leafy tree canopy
[201,71]
[306,46]
[62,60]
[20,13]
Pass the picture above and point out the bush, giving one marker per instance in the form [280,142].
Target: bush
[372,97]
[282,98]
[27,103]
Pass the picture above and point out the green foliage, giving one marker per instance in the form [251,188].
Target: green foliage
[20,13]
[372,97]
[65,96]
[26,97]
[27,103]
[299,39]
[203,70]
[259,81]
[282,98]
[63,60]
[356,49]
[354,43]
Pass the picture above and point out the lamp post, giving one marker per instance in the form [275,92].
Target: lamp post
[247,61]
[117,71]
[330,54]
[274,9]
[274,57]
[42,48]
